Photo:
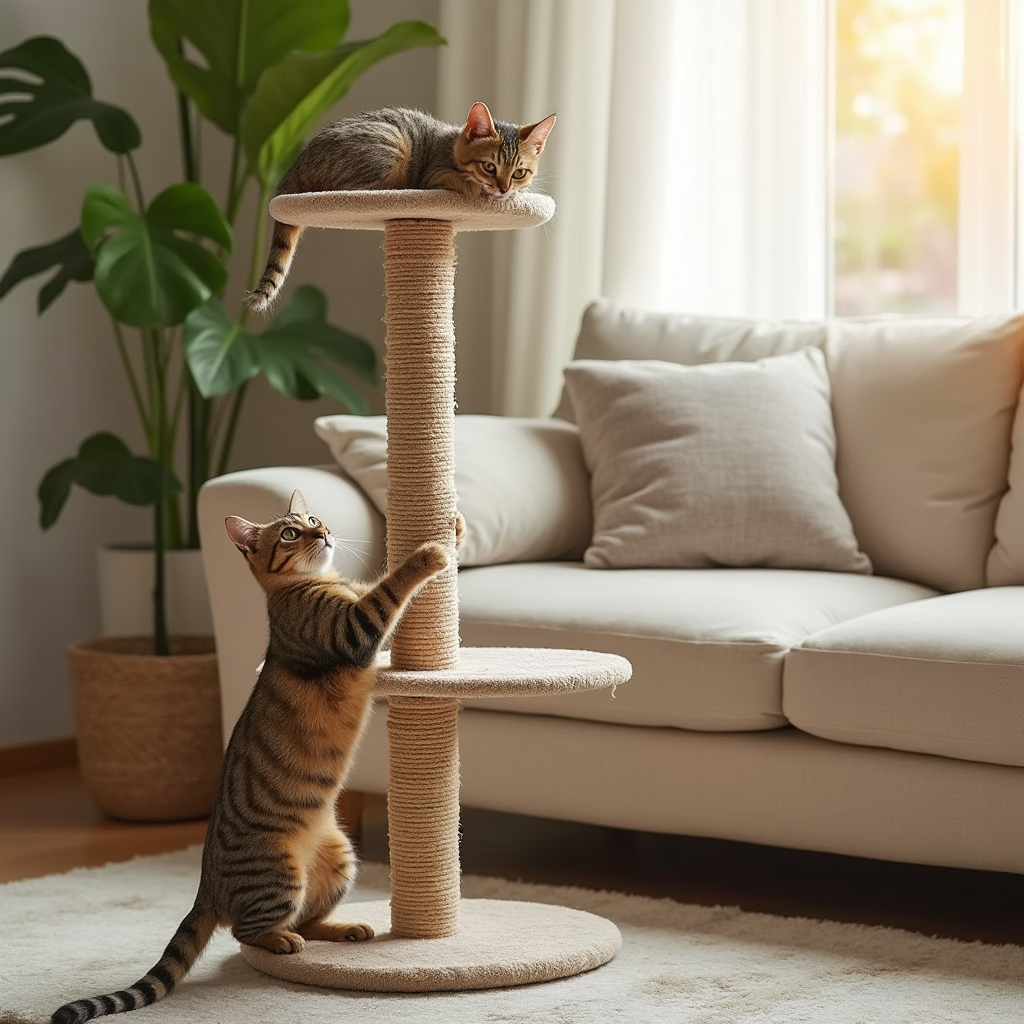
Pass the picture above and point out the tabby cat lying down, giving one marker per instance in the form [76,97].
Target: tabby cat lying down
[275,862]
[399,148]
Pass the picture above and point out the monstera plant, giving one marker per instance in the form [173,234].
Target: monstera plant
[263,72]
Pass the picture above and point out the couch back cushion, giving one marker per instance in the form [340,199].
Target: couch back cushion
[1006,560]
[923,412]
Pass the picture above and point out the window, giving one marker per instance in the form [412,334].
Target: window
[923,182]
[898,113]
[800,158]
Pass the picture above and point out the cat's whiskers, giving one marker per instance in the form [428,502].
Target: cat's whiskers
[347,547]
[542,178]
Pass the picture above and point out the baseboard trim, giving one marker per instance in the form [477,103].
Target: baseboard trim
[36,756]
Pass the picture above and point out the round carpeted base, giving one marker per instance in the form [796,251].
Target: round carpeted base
[500,943]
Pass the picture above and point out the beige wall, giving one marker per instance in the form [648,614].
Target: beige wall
[59,375]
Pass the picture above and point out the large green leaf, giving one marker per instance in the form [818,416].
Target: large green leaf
[104,207]
[304,322]
[150,270]
[219,352]
[70,255]
[292,96]
[300,354]
[104,465]
[238,40]
[48,91]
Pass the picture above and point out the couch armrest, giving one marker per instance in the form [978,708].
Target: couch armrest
[236,601]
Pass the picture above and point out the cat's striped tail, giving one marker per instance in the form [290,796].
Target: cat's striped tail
[282,248]
[181,953]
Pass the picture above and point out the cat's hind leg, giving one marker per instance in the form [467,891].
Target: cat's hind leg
[331,875]
[264,912]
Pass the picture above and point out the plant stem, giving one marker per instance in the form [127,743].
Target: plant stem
[183,536]
[179,398]
[198,455]
[162,511]
[190,166]
[229,434]
[197,143]
[149,360]
[162,448]
[161,643]
[198,441]
[236,184]
[130,373]
[140,198]
[188,156]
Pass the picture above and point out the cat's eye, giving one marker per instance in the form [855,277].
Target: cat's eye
[313,521]
[289,533]
[520,174]
[489,167]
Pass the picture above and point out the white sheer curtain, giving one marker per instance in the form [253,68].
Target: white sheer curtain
[717,176]
[527,59]
[688,162]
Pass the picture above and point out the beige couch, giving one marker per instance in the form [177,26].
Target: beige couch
[879,715]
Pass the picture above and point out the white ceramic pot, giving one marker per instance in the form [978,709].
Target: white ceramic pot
[126,577]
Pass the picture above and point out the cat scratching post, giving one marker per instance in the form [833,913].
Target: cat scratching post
[430,939]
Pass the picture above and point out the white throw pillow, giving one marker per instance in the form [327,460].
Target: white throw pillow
[725,464]
[522,485]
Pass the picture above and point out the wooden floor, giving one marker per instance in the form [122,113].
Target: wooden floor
[49,824]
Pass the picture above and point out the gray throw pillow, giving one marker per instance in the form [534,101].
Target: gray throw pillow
[722,464]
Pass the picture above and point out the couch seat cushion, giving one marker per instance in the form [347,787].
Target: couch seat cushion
[707,645]
[943,676]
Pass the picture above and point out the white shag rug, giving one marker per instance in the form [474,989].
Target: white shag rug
[95,930]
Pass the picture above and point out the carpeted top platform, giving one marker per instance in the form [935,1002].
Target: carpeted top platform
[370,210]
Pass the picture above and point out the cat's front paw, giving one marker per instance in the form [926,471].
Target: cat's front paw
[460,529]
[430,559]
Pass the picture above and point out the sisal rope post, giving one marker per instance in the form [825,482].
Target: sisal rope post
[419,282]
[423,816]
[423,789]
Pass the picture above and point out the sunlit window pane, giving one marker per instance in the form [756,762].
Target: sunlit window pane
[898,88]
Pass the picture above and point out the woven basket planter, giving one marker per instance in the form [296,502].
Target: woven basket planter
[149,728]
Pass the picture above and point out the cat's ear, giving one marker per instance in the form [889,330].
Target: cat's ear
[479,124]
[297,506]
[243,534]
[535,135]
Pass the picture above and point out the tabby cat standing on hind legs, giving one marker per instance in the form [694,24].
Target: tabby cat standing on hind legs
[275,862]
[397,148]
